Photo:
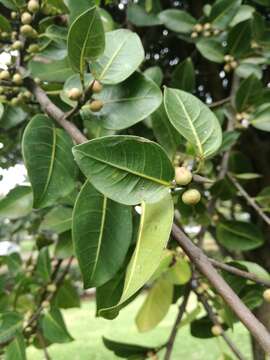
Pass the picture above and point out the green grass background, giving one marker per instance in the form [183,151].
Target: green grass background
[87,331]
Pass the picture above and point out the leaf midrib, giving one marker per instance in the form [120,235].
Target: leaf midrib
[150,178]
[82,56]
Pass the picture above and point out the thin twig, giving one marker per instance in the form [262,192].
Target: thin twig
[249,199]
[181,311]
[220,102]
[238,272]
[43,345]
[202,263]
[202,298]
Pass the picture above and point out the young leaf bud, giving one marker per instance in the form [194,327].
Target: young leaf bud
[182,175]
[74,94]
[216,330]
[96,105]
[33,6]
[191,197]
[97,87]
[26,18]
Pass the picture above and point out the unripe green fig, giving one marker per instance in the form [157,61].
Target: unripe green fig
[191,197]
[17,45]
[97,87]
[4,75]
[15,101]
[27,94]
[51,288]
[207,26]
[26,18]
[96,105]
[266,295]
[216,330]
[33,6]
[198,28]
[182,175]
[74,94]
[17,79]
[33,48]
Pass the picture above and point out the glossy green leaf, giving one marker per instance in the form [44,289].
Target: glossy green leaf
[12,117]
[54,328]
[53,71]
[78,7]
[223,11]
[211,49]
[165,133]
[16,349]
[4,24]
[64,246]
[239,236]
[67,296]
[247,176]
[253,268]
[48,159]
[43,267]
[57,220]
[245,69]
[245,12]
[86,40]
[107,20]
[10,323]
[260,119]
[154,73]
[194,121]
[122,56]
[17,203]
[138,16]
[246,93]
[100,240]
[201,328]
[179,273]
[138,97]
[239,39]
[121,168]
[177,20]
[126,350]
[153,234]
[156,305]
[183,76]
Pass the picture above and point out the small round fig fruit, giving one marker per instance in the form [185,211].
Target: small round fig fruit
[266,295]
[182,175]
[198,28]
[17,79]
[96,105]
[26,18]
[33,6]
[33,48]
[97,87]
[216,330]
[74,94]
[27,30]
[4,75]
[17,45]
[191,197]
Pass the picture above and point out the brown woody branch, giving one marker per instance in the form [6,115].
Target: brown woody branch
[196,255]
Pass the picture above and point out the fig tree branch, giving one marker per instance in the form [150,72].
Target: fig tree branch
[249,199]
[203,264]
[181,311]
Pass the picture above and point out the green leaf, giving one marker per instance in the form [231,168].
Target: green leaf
[156,305]
[43,268]
[54,328]
[122,56]
[138,16]
[64,246]
[154,73]
[101,241]
[201,328]
[246,93]
[125,350]
[107,20]
[183,76]
[165,133]
[247,176]
[179,273]
[57,220]
[211,49]
[245,12]
[239,236]
[239,39]
[48,159]
[177,20]
[4,24]
[12,117]
[67,296]
[260,119]
[86,40]
[194,121]
[17,203]
[10,323]
[53,71]
[223,11]
[253,268]
[138,97]
[121,168]
[16,349]
[153,234]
